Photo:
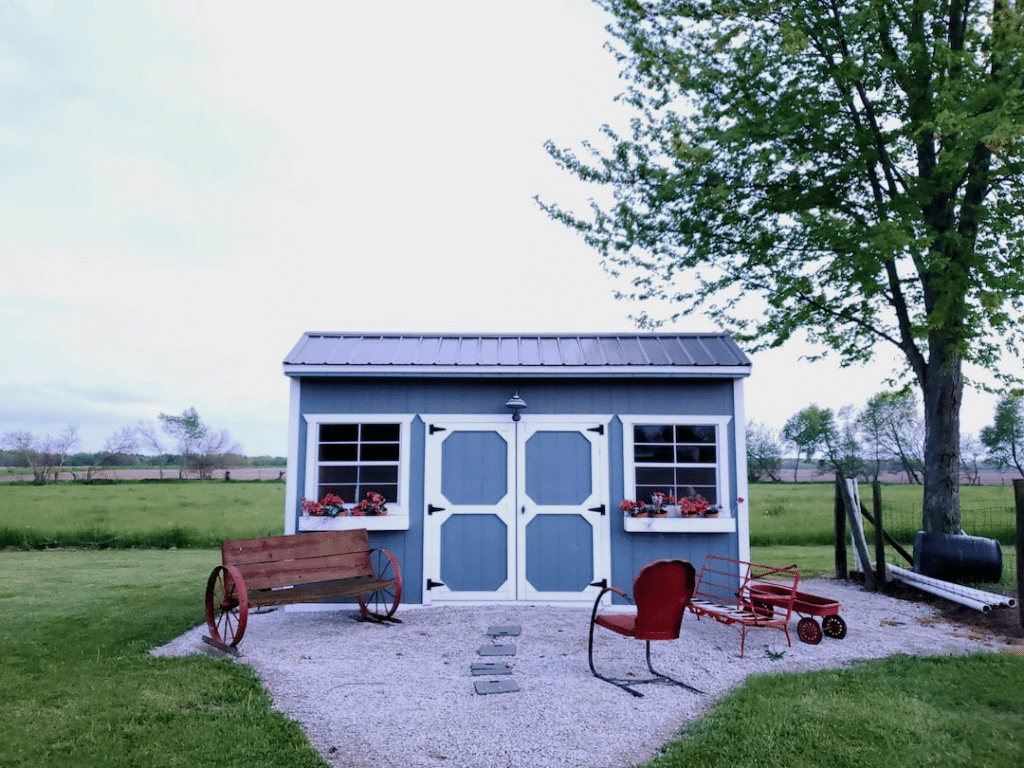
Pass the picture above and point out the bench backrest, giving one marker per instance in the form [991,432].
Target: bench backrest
[280,561]
[737,582]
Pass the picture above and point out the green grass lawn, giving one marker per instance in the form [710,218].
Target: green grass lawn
[78,688]
[138,514]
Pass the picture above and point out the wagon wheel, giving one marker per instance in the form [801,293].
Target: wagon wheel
[382,603]
[227,605]
[834,627]
[807,629]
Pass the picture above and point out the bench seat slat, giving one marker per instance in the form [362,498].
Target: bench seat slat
[306,571]
[319,591]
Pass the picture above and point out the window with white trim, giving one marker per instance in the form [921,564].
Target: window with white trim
[675,457]
[351,456]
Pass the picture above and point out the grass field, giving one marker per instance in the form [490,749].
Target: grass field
[138,514]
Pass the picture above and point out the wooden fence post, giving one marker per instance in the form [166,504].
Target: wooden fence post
[840,524]
[857,533]
[1018,498]
[881,574]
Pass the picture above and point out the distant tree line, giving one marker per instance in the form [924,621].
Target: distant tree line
[200,450]
[885,436]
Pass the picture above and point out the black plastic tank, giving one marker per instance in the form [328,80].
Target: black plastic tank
[958,557]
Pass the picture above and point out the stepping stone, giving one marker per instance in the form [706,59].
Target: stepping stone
[490,668]
[484,687]
[497,650]
[504,630]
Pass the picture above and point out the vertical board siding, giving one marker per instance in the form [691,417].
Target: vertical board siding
[637,395]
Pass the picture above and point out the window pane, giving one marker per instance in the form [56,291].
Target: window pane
[337,433]
[346,475]
[664,476]
[695,454]
[652,433]
[338,452]
[695,476]
[695,434]
[381,475]
[379,452]
[381,432]
[653,453]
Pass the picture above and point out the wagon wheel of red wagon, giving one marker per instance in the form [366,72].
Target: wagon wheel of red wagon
[227,605]
[807,629]
[834,627]
[382,603]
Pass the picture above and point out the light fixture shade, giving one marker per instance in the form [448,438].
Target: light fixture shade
[516,404]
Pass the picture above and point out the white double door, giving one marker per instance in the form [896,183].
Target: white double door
[515,511]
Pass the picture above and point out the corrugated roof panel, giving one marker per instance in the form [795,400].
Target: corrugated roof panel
[448,354]
[549,351]
[529,351]
[654,351]
[612,352]
[550,354]
[570,351]
[593,351]
[678,350]
[488,351]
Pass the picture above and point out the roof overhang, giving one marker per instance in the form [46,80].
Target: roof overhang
[530,371]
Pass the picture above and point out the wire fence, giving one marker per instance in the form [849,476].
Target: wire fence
[902,522]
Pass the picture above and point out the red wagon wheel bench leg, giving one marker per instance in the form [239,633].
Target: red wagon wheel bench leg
[381,604]
[227,605]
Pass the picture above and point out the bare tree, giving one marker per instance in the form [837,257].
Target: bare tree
[45,457]
[215,450]
[764,452]
[149,436]
[971,453]
[125,440]
[894,428]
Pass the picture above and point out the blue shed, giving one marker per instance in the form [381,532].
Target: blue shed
[504,457]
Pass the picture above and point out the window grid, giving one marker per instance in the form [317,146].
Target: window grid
[675,459]
[356,458]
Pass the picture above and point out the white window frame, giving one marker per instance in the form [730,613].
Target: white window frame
[398,509]
[721,424]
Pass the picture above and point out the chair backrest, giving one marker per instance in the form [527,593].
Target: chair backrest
[661,592]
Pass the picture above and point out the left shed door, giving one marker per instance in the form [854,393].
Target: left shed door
[469,530]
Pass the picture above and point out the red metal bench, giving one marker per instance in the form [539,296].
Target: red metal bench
[728,591]
[304,568]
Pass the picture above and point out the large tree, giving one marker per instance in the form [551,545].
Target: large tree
[849,172]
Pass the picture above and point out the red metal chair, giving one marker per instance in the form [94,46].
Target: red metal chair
[661,593]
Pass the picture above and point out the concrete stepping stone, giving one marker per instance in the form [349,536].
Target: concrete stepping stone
[484,687]
[504,630]
[497,650]
[482,668]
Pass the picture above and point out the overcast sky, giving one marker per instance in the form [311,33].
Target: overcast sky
[186,187]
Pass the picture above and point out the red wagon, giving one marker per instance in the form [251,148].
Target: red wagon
[766,596]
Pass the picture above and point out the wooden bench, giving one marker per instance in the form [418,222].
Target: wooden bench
[727,591]
[303,568]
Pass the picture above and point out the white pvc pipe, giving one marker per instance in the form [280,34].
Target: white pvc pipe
[977,599]
[990,598]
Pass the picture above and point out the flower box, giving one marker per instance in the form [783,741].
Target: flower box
[680,524]
[348,522]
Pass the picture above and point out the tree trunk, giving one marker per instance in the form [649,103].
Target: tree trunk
[942,390]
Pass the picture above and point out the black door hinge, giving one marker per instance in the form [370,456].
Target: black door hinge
[602,583]
[434,428]
[599,429]
[431,583]
[600,509]
[431,509]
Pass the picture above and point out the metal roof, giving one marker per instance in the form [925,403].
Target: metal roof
[676,354]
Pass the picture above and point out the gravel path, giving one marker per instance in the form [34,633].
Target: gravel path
[403,695]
